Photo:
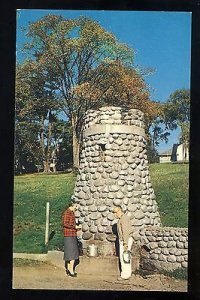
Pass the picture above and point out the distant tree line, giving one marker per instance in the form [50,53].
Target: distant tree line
[72,66]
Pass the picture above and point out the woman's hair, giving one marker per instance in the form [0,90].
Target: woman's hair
[121,207]
[118,207]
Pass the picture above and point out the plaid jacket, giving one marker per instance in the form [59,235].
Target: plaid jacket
[69,224]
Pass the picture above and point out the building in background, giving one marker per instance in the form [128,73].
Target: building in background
[178,153]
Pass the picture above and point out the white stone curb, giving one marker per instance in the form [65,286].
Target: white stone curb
[40,257]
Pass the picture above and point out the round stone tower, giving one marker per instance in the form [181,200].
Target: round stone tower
[113,171]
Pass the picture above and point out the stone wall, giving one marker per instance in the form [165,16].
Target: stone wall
[166,247]
[113,171]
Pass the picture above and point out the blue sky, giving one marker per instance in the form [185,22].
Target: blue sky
[161,40]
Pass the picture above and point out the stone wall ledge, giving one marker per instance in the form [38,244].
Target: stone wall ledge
[162,228]
[110,128]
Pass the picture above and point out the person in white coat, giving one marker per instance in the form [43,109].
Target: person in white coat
[124,231]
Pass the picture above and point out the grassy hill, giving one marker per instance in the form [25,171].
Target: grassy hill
[171,187]
[31,192]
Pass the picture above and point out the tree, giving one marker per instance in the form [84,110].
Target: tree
[114,84]
[87,67]
[156,134]
[37,126]
[69,51]
[177,114]
[184,139]
[152,153]
[64,151]
[26,144]
[177,108]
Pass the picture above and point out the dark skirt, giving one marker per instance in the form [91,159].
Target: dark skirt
[70,248]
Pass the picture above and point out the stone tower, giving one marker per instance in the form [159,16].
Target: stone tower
[113,171]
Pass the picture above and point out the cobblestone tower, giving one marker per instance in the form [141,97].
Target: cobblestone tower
[113,171]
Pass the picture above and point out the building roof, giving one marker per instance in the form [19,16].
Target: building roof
[166,153]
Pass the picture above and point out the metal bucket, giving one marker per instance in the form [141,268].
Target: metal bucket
[127,257]
[92,250]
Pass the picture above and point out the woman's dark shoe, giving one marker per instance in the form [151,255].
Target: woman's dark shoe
[71,274]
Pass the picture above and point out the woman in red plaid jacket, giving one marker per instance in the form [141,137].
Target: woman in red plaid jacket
[71,252]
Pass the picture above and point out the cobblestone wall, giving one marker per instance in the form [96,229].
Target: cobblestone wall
[167,246]
[114,171]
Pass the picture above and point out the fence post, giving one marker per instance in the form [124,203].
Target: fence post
[47,225]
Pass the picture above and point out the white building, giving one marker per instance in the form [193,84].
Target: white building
[177,153]
[182,153]
[165,156]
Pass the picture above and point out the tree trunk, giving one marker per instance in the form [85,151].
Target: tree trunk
[184,151]
[49,144]
[184,157]
[42,143]
[47,153]
[76,148]
[20,166]
[76,145]
[46,166]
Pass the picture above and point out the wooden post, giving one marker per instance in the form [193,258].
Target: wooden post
[47,225]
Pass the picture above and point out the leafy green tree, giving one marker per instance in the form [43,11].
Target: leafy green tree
[177,108]
[177,114]
[65,151]
[157,133]
[152,153]
[70,51]
[185,137]
[27,148]
[86,67]
[26,145]
[36,121]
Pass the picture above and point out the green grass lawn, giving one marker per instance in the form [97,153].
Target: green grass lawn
[31,192]
[171,187]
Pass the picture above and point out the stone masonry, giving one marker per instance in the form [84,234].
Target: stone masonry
[167,246]
[113,171]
